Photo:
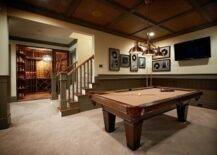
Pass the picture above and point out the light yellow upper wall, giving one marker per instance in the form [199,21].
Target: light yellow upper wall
[196,66]
[4,54]
[103,41]
[84,46]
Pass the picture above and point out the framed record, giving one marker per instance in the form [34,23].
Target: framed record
[134,62]
[114,57]
[165,53]
[124,60]
[161,65]
[142,62]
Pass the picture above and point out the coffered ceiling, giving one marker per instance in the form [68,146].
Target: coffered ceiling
[129,18]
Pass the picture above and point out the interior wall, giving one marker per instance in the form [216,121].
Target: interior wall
[84,46]
[197,66]
[13,70]
[102,41]
[4,54]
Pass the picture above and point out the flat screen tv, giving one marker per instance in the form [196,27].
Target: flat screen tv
[194,49]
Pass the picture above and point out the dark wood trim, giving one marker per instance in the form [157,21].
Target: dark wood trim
[163,21]
[126,11]
[73,42]
[186,31]
[31,8]
[72,7]
[30,40]
[164,76]
[117,6]
[136,6]
[13,99]
[5,118]
[199,9]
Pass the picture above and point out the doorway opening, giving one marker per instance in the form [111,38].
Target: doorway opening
[34,67]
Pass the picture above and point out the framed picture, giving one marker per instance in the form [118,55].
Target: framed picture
[134,62]
[161,65]
[124,60]
[165,53]
[142,62]
[114,57]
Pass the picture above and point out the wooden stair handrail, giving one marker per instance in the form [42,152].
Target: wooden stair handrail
[67,68]
[91,57]
[71,66]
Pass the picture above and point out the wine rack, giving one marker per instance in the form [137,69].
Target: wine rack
[21,74]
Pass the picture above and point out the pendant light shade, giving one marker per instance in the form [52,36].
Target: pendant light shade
[136,49]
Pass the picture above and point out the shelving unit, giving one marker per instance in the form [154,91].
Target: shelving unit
[33,73]
[21,72]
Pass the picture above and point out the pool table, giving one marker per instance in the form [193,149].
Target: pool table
[136,105]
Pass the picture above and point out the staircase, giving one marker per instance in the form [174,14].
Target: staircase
[71,88]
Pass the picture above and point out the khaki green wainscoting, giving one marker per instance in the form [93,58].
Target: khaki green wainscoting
[4,102]
[205,82]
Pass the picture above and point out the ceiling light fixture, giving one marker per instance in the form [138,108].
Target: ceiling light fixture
[47,58]
[147,48]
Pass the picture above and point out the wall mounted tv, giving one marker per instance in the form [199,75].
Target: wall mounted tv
[194,49]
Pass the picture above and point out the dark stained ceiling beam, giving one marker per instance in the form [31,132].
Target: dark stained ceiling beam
[124,14]
[165,20]
[208,4]
[73,42]
[72,7]
[117,6]
[52,14]
[186,31]
[199,9]
[30,40]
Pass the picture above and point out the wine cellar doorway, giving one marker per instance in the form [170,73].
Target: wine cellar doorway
[34,68]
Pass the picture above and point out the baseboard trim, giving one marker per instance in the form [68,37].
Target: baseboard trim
[5,122]
[163,76]
[13,99]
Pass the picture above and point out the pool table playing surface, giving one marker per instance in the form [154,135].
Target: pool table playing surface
[136,105]
[144,97]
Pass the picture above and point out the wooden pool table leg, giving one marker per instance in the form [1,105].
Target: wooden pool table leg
[182,111]
[133,134]
[109,121]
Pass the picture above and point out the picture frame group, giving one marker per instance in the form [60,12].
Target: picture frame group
[117,60]
[162,63]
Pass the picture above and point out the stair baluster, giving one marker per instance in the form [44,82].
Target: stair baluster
[71,82]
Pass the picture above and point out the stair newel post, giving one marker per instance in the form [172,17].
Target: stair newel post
[63,88]
[80,79]
[88,72]
[54,95]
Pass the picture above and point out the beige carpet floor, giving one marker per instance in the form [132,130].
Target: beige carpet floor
[38,129]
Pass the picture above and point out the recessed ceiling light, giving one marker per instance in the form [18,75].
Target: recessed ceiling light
[151,34]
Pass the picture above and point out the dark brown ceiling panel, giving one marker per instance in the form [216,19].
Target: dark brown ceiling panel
[128,3]
[129,24]
[202,2]
[158,33]
[184,22]
[212,11]
[96,12]
[160,10]
[58,6]
[128,18]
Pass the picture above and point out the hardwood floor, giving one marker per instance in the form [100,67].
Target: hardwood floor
[36,96]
